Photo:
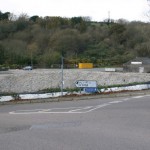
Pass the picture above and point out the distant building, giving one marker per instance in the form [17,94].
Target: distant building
[139,64]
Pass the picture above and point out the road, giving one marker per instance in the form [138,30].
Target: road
[121,123]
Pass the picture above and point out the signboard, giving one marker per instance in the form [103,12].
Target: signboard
[136,63]
[90,90]
[86,83]
[110,69]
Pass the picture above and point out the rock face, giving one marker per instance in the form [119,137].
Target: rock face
[21,81]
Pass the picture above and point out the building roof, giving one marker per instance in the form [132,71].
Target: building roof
[143,60]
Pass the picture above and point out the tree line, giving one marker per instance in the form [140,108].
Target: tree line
[43,40]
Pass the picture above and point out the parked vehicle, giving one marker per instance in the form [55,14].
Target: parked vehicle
[27,68]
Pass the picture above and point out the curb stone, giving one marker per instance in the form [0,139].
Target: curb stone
[76,98]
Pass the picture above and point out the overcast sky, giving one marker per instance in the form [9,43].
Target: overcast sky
[98,10]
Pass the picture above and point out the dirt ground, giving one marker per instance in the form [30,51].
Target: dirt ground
[23,81]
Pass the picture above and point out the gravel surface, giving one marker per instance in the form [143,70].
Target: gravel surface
[23,81]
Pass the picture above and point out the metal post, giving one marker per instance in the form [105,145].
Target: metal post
[31,60]
[62,75]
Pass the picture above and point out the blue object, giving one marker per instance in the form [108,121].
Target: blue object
[90,90]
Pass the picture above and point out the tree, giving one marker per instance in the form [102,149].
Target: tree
[77,38]
[79,23]
[143,50]
[4,16]
[15,51]
[2,54]
[22,22]
[34,18]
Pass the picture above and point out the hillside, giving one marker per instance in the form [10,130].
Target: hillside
[42,41]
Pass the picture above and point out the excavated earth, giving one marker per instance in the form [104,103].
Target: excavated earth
[23,81]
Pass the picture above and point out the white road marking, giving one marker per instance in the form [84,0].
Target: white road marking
[80,109]
[71,110]
[41,112]
[138,97]
[126,99]
[61,110]
[115,102]
[99,106]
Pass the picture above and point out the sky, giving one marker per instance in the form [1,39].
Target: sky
[97,10]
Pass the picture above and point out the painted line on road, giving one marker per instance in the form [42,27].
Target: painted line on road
[136,97]
[61,110]
[115,102]
[71,110]
[126,99]
[80,109]
[97,107]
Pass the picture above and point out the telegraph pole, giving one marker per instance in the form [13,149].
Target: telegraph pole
[31,60]
[109,17]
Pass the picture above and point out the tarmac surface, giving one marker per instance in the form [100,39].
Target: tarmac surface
[118,121]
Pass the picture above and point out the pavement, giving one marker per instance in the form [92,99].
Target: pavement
[79,97]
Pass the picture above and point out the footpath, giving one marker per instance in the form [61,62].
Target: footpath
[78,97]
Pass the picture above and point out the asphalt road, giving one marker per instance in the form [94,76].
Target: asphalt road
[121,123]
